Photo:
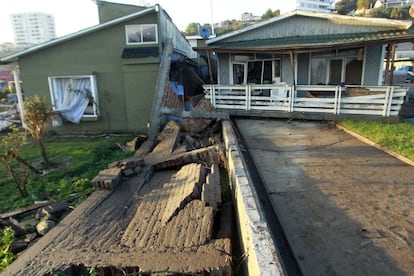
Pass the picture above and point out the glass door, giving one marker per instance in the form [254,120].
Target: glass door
[335,72]
[239,73]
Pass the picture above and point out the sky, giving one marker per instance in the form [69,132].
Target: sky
[74,15]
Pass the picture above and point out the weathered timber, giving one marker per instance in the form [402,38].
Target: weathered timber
[19,230]
[195,114]
[130,163]
[168,139]
[198,155]
[144,149]
[24,210]
[160,88]
[211,192]
[108,178]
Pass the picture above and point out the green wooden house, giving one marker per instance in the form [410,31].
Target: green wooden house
[103,79]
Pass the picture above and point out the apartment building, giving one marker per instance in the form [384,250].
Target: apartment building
[393,3]
[32,28]
[315,5]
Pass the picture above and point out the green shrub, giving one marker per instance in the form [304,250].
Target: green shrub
[6,239]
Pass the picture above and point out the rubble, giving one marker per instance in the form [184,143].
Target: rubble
[158,210]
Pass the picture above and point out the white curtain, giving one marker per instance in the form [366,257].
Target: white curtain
[71,97]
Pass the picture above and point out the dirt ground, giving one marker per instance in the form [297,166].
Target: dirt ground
[346,208]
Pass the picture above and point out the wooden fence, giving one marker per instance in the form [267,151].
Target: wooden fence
[364,100]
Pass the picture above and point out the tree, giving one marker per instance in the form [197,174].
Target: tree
[37,116]
[400,13]
[345,6]
[270,14]
[364,4]
[192,29]
[12,143]
[381,12]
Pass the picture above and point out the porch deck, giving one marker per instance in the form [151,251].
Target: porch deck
[308,101]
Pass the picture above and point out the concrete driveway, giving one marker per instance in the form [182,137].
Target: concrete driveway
[346,207]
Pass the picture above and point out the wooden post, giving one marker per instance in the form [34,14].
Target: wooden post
[292,64]
[393,47]
[19,94]
[160,88]
[210,70]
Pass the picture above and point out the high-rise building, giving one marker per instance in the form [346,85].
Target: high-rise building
[393,3]
[32,28]
[315,5]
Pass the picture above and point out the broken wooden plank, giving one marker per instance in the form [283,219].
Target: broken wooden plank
[168,139]
[160,88]
[211,193]
[131,163]
[24,210]
[108,178]
[198,155]
[144,149]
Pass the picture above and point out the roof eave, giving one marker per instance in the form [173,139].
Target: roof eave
[62,39]
[312,47]
[404,24]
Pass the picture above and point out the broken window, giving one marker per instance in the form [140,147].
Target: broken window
[141,34]
[74,97]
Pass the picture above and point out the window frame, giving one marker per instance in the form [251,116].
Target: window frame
[345,55]
[94,91]
[140,26]
[276,74]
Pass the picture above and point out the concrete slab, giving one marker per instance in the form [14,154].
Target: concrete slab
[346,207]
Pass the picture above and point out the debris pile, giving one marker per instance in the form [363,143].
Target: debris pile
[158,210]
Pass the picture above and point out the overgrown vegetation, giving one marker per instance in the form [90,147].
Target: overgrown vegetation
[6,239]
[228,25]
[76,161]
[366,8]
[398,137]
[37,116]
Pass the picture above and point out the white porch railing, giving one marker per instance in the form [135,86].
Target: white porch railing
[364,100]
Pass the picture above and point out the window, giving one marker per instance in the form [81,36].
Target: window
[74,97]
[337,67]
[256,72]
[141,34]
[238,73]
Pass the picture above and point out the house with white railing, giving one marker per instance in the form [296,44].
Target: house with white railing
[303,63]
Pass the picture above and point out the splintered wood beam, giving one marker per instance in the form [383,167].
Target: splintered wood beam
[160,88]
[194,114]
[197,155]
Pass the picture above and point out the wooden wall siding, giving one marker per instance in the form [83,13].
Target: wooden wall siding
[373,65]
[303,69]
[300,26]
